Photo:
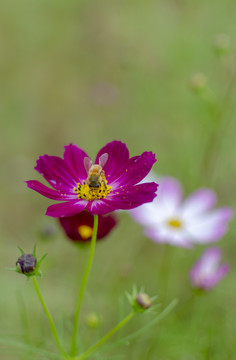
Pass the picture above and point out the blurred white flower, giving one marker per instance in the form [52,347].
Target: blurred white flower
[170,219]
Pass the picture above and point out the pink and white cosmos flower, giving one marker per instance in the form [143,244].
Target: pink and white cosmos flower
[170,219]
[207,271]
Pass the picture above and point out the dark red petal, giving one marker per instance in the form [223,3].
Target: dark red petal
[67,209]
[71,225]
[56,171]
[74,157]
[118,156]
[49,193]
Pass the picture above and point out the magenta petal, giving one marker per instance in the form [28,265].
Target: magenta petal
[69,208]
[133,196]
[118,156]
[100,207]
[56,171]
[74,157]
[136,169]
[49,193]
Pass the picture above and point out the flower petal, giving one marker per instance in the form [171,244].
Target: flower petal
[100,207]
[118,156]
[56,171]
[210,227]
[198,202]
[161,234]
[69,208]
[132,197]
[74,157]
[206,272]
[210,282]
[71,225]
[148,214]
[49,193]
[136,169]
[169,195]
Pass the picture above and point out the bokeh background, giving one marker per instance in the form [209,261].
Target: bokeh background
[89,72]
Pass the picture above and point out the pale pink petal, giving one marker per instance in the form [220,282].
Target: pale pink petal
[198,202]
[206,272]
[211,227]
[163,234]
[148,214]
[169,195]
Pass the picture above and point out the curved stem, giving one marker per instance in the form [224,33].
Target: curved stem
[49,316]
[105,338]
[83,285]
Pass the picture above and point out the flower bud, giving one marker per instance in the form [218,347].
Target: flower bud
[26,264]
[198,82]
[140,301]
[92,320]
[222,44]
[144,301]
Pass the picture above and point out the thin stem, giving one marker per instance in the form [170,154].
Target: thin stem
[218,129]
[105,338]
[83,285]
[51,322]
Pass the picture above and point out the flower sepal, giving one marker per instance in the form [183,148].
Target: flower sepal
[28,264]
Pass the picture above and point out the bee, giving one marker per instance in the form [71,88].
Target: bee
[96,174]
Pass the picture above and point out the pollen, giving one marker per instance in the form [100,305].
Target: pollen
[175,223]
[85,231]
[89,193]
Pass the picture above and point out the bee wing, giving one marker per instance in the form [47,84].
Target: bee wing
[87,163]
[103,159]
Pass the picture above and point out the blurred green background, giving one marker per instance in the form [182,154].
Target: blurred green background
[89,72]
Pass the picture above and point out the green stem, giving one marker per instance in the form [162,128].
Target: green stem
[105,338]
[52,325]
[83,285]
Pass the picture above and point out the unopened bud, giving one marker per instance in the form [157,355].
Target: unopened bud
[198,82]
[143,300]
[26,264]
[92,320]
[222,44]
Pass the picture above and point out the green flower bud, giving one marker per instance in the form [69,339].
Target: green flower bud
[198,82]
[92,320]
[222,44]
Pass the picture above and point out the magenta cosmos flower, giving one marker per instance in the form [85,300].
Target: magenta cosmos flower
[170,219]
[79,228]
[207,271]
[110,184]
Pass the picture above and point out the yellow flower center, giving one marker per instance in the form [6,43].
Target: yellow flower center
[85,231]
[92,193]
[175,223]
